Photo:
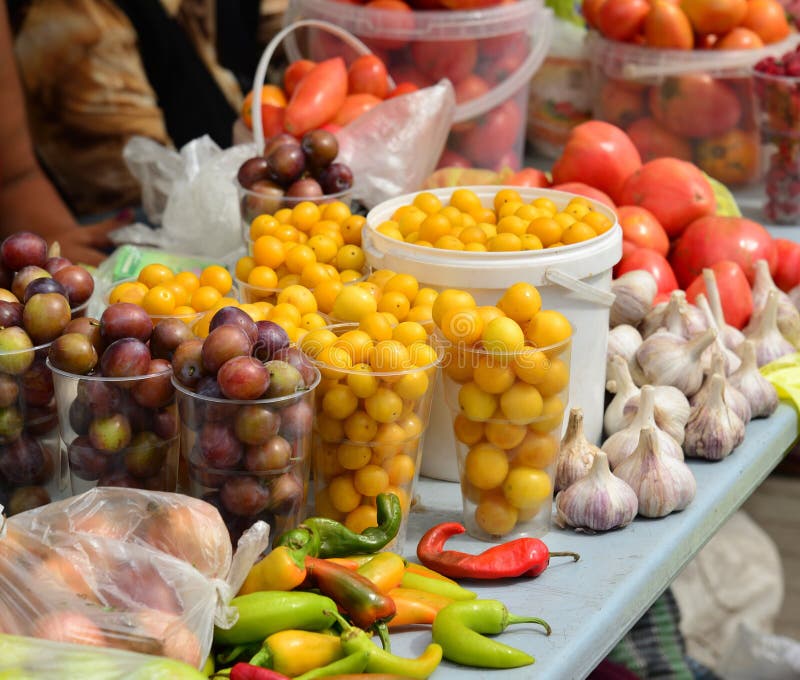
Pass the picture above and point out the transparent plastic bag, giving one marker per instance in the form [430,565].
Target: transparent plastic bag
[190,193]
[26,658]
[143,571]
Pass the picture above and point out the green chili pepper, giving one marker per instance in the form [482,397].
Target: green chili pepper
[336,540]
[380,661]
[460,627]
[303,539]
[263,613]
[435,585]
[353,663]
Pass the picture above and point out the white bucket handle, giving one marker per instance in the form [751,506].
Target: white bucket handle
[583,290]
[509,87]
[269,50]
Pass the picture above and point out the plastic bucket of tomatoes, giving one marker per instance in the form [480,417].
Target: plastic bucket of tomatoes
[489,54]
[697,105]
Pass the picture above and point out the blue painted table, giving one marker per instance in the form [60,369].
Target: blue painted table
[592,603]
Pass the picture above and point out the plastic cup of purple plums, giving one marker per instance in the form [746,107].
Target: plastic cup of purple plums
[30,471]
[291,171]
[118,431]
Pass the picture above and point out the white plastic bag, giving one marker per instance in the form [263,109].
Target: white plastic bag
[754,654]
[143,571]
[190,193]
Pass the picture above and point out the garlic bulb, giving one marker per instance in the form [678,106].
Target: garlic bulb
[788,314]
[597,502]
[759,392]
[662,484]
[794,296]
[732,337]
[713,430]
[671,410]
[576,453]
[634,293]
[669,359]
[769,342]
[623,443]
[729,359]
[682,318]
[653,320]
[733,397]
[623,340]
[619,383]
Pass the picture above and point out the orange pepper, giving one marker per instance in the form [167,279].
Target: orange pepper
[352,561]
[415,568]
[385,570]
[279,570]
[415,606]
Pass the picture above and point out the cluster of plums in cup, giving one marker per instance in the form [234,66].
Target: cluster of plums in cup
[39,295]
[245,399]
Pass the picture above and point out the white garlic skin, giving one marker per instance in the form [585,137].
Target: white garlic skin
[759,392]
[735,400]
[635,292]
[599,501]
[623,340]
[623,388]
[623,443]
[682,318]
[731,336]
[669,359]
[714,430]
[770,343]
[729,358]
[794,296]
[662,484]
[788,316]
[653,320]
[671,410]
[576,453]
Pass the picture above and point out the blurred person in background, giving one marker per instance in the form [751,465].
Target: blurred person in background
[97,72]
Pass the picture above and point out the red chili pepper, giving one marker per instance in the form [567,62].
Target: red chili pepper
[354,593]
[246,671]
[520,557]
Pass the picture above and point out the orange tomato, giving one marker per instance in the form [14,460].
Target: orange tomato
[714,16]
[353,106]
[273,103]
[368,75]
[317,97]
[739,38]
[767,18]
[402,22]
[667,26]
[294,73]
[401,89]
[731,158]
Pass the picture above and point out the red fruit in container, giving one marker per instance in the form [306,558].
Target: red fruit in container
[368,75]
[45,316]
[125,320]
[22,249]
[451,59]
[234,316]
[667,26]
[244,496]
[399,22]
[222,344]
[243,377]
[110,434]
[23,278]
[354,106]
[317,97]
[220,448]
[187,362]
[125,358]
[157,391]
[621,19]
[494,136]
[294,74]
[78,283]
[653,140]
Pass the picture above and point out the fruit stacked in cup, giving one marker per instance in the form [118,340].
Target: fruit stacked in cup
[373,404]
[510,224]
[506,375]
[246,410]
[36,301]
[116,403]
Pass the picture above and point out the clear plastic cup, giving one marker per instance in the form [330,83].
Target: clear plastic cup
[368,436]
[507,411]
[30,465]
[118,431]
[251,459]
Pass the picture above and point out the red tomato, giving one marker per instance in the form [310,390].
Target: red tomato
[734,292]
[585,190]
[787,273]
[598,154]
[273,104]
[528,177]
[451,159]
[654,141]
[589,9]
[317,97]
[471,87]
[710,239]
[354,105]
[401,89]
[451,59]
[651,261]
[494,136]
[294,73]
[641,229]
[399,23]
[368,75]
[622,19]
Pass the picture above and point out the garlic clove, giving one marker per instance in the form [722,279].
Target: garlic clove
[634,293]
[623,443]
[770,343]
[714,429]
[794,296]
[653,320]
[621,385]
[669,359]
[759,392]
[730,361]
[597,502]
[662,484]
[576,453]
[623,340]
[732,337]
[788,316]
[733,397]
[671,410]
[683,318]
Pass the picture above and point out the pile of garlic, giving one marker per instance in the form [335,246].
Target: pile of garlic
[682,382]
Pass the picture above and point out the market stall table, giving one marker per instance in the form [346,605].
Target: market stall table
[592,603]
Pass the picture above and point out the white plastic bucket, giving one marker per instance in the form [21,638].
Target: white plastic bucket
[492,30]
[573,279]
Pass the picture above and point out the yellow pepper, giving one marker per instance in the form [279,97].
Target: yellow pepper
[281,569]
[385,570]
[294,652]
[415,606]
